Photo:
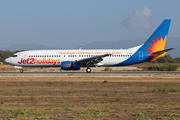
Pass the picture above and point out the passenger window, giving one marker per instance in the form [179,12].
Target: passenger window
[59,55]
[52,55]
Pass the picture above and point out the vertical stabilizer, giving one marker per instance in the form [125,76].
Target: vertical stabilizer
[156,42]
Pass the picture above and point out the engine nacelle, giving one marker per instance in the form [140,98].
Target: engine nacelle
[70,65]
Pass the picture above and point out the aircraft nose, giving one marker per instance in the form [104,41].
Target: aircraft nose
[7,60]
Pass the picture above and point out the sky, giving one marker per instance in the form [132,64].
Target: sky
[70,23]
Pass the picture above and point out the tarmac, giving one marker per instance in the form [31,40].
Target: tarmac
[92,73]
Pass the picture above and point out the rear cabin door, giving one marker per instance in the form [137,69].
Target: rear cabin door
[140,55]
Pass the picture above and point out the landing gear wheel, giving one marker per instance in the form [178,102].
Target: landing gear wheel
[88,70]
[21,70]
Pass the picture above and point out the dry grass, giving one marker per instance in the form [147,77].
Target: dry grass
[87,97]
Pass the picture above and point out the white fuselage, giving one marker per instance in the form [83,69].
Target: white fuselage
[48,58]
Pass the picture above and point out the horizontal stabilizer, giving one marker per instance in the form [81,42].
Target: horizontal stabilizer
[158,54]
[162,51]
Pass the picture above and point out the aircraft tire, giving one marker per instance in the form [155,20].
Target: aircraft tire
[88,70]
[21,70]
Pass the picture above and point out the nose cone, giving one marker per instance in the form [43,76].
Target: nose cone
[7,60]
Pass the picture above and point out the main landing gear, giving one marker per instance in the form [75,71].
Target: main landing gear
[21,70]
[88,70]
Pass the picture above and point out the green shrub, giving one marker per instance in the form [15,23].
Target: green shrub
[105,81]
[162,68]
[50,82]
[153,68]
[20,90]
[173,67]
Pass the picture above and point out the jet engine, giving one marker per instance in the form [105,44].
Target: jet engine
[70,65]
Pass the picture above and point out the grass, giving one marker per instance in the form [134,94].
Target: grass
[54,102]
[38,118]
[97,89]
[173,103]
[174,89]
[138,114]
[18,113]
[118,98]
[105,92]
[91,112]
[66,106]
[162,117]
[115,91]
[162,88]
[108,69]
[171,114]
[32,98]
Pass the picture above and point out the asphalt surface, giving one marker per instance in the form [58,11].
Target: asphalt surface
[92,73]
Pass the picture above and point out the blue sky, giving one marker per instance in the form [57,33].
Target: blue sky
[70,23]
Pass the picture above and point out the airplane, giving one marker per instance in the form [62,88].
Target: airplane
[152,49]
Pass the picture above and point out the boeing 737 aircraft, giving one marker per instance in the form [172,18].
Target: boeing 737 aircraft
[152,49]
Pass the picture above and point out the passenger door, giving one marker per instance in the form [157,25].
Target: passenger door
[140,55]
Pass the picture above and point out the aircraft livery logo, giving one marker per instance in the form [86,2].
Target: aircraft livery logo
[157,45]
[39,61]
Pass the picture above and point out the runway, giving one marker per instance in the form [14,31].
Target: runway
[89,74]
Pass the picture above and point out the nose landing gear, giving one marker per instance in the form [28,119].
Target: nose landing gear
[21,70]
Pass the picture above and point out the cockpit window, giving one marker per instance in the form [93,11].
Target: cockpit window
[14,56]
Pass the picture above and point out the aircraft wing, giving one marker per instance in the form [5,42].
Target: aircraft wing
[92,60]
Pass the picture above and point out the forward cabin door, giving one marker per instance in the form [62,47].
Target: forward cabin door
[25,57]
